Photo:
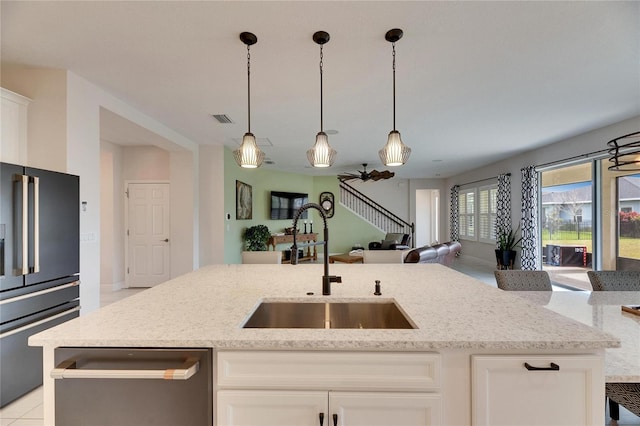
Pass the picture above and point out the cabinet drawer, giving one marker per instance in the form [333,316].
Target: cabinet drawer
[329,370]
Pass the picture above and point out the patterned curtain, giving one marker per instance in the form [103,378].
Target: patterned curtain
[529,224]
[455,214]
[503,208]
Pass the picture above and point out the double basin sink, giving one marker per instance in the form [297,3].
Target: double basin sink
[336,315]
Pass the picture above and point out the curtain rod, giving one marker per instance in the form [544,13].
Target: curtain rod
[482,180]
[593,154]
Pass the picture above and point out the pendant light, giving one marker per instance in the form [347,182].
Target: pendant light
[248,155]
[321,155]
[394,153]
[624,153]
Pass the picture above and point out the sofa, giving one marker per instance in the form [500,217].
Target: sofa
[384,256]
[443,253]
[392,241]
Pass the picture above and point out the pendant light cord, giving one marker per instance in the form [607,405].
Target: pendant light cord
[393,45]
[248,89]
[321,57]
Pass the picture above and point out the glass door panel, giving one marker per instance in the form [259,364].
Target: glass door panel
[566,215]
[628,230]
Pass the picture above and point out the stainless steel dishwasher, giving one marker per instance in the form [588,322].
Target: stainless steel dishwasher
[120,386]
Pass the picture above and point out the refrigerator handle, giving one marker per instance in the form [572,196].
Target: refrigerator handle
[36,223]
[24,268]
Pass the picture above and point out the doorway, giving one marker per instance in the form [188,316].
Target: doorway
[567,224]
[427,217]
[147,232]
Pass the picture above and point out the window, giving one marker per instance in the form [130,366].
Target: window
[478,208]
[488,205]
[466,204]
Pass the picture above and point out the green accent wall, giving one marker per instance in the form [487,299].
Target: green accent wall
[345,228]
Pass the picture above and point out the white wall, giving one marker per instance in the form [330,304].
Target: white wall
[184,213]
[64,130]
[47,125]
[111,217]
[212,214]
[582,144]
[145,163]
[395,192]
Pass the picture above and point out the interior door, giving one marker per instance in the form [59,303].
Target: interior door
[149,254]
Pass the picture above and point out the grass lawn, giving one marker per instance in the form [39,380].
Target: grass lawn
[630,247]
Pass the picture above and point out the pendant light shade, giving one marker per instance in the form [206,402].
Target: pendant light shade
[394,153]
[248,155]
[321,155]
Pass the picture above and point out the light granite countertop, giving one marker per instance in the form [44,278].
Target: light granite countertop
[207,308]
[602,309]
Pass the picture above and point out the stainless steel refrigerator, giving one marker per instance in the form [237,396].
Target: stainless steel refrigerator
[39,267]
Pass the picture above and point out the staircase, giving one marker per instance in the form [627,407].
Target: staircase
[373,212]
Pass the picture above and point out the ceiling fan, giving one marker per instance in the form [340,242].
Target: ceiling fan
[363,175]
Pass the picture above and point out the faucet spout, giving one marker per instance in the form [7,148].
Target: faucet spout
[326,278]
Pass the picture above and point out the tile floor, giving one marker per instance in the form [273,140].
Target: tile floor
[27,411]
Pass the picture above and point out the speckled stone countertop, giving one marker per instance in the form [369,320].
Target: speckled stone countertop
[602,309]
[207,308]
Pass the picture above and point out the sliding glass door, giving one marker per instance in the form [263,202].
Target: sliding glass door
[628,229]
[567,216]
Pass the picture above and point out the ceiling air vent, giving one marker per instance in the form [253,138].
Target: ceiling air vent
[222,118]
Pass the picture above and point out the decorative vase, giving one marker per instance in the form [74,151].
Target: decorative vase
[505,259]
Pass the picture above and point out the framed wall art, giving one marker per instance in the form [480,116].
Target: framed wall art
[244,201]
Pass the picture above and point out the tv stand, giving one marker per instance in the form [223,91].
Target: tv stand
[274,240]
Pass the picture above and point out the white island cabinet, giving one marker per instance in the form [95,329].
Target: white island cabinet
[365,376]
[537,390]
[346,389]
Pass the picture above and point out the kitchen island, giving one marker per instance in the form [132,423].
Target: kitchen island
[464,328]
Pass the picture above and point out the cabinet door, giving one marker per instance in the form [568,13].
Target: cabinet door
[506,392]
[384,409]
[267,408]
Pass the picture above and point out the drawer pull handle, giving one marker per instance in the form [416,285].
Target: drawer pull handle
[67,370]
[335,420]
[321,417]
[552,367]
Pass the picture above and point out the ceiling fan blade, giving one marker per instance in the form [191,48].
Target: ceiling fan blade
[385,174]
[348,176]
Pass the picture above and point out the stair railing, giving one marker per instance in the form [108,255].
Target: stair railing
[373,212]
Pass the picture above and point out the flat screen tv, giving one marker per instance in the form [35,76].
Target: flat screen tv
[285,204]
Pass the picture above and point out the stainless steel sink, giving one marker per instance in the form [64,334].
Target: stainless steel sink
[385,315]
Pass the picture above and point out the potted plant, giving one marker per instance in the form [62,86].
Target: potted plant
[256,237]
[507,241]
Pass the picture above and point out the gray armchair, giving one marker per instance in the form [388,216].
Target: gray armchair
[523,280]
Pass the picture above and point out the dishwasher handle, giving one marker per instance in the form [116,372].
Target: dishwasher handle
[67,370]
